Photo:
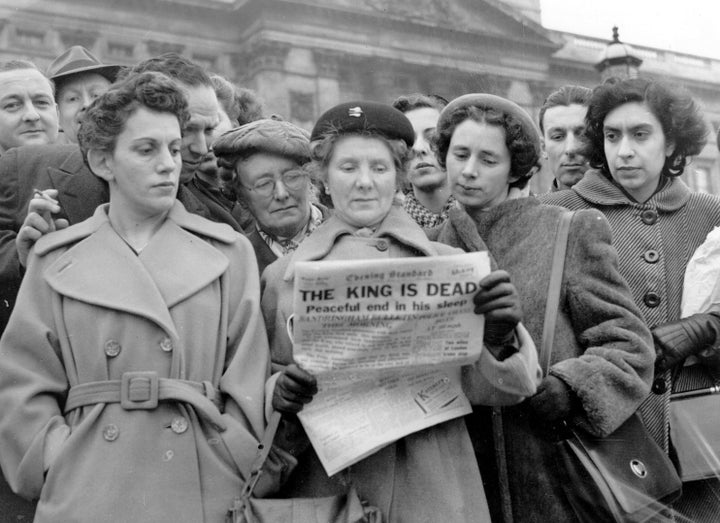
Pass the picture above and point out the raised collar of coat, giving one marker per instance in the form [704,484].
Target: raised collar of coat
[597,189]
[98,267]
[190,222]
[397,225]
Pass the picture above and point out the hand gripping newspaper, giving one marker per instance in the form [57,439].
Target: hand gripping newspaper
[386,340]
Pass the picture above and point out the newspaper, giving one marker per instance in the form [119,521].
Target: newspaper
[386,340]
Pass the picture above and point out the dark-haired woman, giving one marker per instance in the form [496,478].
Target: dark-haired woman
[132,370]
[640,135]
[601,363]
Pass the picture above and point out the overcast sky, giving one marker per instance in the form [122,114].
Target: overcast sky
[688,26]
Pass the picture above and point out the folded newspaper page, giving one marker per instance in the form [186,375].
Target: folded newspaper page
[386,340]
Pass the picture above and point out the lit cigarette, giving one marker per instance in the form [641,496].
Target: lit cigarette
[37,193]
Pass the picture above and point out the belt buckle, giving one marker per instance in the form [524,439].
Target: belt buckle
[139,390]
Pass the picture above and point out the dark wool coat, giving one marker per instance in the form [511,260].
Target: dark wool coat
[602,348]
[654,241]
[89,310]
[429,476]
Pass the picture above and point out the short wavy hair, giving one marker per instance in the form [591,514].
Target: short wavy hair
[564,96]
[678,114]
[106,117]
[321,151]
[240,104]
[524,149]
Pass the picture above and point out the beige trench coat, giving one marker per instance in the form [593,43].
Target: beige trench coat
[186,310]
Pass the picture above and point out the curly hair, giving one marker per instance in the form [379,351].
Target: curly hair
[566,95]
[322,150]
[240,104]
[524,150]
[678,114]
[106,117]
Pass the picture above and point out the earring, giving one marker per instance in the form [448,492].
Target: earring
[544,155]
[327,189]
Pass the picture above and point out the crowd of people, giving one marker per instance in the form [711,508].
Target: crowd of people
[151,219]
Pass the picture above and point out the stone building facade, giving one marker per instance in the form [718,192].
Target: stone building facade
[303,56]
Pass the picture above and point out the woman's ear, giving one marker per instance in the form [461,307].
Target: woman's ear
[99,162]
[669,149]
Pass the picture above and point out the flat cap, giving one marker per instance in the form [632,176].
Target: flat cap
[76,60]
[362,117]
[270,135]
[497,103]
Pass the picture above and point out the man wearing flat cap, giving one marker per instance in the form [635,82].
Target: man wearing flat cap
[267,157]
[79,78]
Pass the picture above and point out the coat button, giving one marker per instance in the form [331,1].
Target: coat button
[110,432]
[651,256]
[649,216]
[179,425]
[112,348]
[166,344]
[382,245]
[651,299]
[659,386]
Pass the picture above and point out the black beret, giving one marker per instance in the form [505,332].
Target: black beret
[362,117]
[269,135]
[497,103]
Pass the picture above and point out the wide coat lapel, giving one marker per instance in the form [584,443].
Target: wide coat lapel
[102,270]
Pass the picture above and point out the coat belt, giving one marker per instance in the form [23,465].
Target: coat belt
[143,390]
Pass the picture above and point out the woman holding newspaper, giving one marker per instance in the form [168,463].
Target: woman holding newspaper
[359,151]
[601,363]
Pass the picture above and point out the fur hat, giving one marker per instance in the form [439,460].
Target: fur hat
[359,117]
[269,135]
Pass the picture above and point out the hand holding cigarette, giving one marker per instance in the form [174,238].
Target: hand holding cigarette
[39,221]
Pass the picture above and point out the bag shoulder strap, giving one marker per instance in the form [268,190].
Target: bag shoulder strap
[261,455]
[554,287]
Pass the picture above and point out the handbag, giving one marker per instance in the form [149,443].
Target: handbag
[624,477]
[694,431]
[343,508]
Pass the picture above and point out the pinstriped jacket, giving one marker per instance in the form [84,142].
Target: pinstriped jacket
[654,241]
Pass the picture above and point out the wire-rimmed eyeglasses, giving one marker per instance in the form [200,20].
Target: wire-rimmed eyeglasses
[292,180]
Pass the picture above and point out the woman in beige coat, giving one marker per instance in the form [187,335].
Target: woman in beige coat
[132,370]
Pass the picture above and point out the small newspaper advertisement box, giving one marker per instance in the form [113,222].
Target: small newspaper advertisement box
[386,340]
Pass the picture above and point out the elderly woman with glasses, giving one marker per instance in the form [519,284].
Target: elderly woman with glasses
[267,157]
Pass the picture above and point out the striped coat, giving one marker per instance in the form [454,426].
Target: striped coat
[655,241]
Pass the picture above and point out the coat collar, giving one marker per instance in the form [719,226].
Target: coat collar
[597,189]
[396,225]
[175,265]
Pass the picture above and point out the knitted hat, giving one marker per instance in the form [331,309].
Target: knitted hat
[269,135]
[359,117]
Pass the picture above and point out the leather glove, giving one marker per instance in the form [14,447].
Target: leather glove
[554,400]
[499,301]
[293,389]
[676,340]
